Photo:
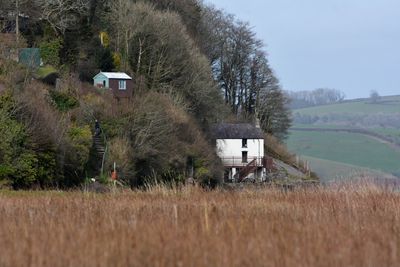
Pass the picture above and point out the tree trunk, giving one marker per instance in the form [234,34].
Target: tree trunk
[141,43]
[17,21]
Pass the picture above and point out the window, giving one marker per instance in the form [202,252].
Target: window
[122,85]
[244,157]
[244,143]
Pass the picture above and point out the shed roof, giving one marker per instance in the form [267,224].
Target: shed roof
[116,75]
[236,131]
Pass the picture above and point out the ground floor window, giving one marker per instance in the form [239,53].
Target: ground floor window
[244,156]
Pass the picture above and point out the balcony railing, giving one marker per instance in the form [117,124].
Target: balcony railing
[238,162]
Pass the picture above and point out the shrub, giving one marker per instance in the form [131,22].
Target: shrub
[50,51]
[81,141]
[22,164]
[63,101]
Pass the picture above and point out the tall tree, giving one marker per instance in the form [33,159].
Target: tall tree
[241,68]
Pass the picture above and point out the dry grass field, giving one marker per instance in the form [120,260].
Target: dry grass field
[342,226]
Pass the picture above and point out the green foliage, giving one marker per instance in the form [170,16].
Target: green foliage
[50,51]
[81,141]
[20,164]
[45,71]
[63,101]
[105,60]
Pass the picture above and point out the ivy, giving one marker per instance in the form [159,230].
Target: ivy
[50,51]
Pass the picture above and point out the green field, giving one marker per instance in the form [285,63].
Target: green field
[330,171]
[341,154]
[390,104]
[347,148]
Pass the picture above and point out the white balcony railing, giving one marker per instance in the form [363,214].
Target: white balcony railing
[240,162]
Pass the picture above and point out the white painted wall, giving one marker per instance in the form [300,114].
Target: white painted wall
[232,148]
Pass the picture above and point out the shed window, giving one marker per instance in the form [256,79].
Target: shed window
[122,85]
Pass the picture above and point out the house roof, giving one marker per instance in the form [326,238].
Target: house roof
[236,131]
[116,75]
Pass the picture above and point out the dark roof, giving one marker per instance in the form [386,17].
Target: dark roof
[236,131]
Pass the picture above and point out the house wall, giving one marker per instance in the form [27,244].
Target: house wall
[232,148]
[99,80]
[121,93]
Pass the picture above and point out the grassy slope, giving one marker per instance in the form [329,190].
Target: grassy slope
[353,226]
[349,148]
[389,104]
[45,71]
[334,154]
[330,171]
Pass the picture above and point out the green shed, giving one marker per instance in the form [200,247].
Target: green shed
[30,57]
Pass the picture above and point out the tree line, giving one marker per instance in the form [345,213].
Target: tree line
[317,97]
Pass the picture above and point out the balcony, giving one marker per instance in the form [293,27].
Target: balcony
[238,162]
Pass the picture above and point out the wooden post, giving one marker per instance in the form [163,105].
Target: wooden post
[176,215]
[206,224]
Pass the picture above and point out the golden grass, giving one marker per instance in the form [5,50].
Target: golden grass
[342,226]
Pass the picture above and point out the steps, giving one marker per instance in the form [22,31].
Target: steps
[251,167]
[100,150]
[99,145]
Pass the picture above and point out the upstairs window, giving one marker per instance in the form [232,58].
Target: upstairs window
[122,85]
[244,143]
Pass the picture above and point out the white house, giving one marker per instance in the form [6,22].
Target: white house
[241,149]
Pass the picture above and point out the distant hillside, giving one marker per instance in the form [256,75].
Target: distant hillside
[364,105]
[357,113]
[351,135]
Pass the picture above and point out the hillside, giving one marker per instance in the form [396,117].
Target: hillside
[356,132]
[387,104]
[60,129]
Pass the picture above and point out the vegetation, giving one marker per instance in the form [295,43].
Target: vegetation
[190,227]
[317,97]
[193,66]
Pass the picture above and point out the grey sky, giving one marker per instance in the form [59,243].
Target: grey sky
[350,45]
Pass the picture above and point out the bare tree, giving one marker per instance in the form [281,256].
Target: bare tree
[63,14]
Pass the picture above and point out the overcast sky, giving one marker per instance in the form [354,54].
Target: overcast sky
[350,45]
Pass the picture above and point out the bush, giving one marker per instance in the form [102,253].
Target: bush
[22,164]
[50,51]
[63,101]
[80,140]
